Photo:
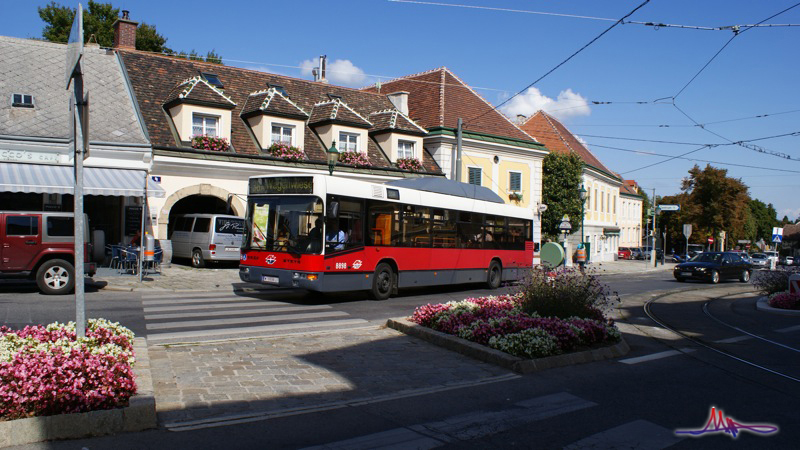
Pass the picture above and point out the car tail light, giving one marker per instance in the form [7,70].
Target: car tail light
[212,247]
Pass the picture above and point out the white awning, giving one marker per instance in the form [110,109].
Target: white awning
[15,177]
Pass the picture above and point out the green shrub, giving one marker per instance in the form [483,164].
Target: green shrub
[565,293]
[773,281]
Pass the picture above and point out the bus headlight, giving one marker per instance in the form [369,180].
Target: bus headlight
[312,277]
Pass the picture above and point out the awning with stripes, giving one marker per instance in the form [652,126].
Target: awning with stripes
[16,177]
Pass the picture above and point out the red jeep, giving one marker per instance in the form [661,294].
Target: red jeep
[40,246]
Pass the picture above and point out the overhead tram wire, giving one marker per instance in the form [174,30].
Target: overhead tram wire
[646,153]
[619,21]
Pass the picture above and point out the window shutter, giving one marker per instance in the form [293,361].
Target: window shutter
[475,176]
[515,181]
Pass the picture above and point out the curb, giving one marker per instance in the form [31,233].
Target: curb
[762,305]
[140,414]
[110,287]
[502,359]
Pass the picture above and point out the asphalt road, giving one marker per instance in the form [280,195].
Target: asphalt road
[667,382]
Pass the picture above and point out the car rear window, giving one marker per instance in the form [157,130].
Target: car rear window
[60,226]
[202,224]
[229,226]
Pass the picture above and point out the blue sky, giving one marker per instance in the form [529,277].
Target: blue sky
[634,84]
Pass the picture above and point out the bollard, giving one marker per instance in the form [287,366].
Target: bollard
[794,284]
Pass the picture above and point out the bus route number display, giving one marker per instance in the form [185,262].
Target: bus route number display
[282,185]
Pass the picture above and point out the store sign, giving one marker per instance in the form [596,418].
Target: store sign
[25,156]
[282,185]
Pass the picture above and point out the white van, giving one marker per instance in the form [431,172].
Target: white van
[207,237]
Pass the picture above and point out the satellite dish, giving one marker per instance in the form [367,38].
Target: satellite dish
[552,254]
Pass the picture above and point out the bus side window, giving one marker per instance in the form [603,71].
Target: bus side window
[379,222]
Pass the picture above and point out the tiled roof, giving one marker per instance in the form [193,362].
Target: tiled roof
[154,76]
[36,67]
[271,101]
[198,90]
[392,119]
[557,138]
[337,111]
[438,98]
[629,187]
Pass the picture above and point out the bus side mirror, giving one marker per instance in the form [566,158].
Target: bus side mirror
[333,210]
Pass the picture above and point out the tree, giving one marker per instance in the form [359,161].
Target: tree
[763,219]
[561,184]
[721,203]
[98,20]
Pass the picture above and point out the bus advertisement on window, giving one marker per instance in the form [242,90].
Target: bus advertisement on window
[329,234]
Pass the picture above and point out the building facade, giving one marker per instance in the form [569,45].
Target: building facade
[630,215]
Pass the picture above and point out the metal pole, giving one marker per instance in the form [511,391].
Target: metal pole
[655,213]
[141,232]
[77,118]
[458,149]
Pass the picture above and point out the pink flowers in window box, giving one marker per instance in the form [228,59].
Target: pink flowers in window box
[286,152]
[411,164]
[356,159]
[210,143]
[46,370]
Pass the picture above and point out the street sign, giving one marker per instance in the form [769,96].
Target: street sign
[777,238]
[794,284]
[669,207]
[710,240]
[777,230]
[687,230]
[74,44]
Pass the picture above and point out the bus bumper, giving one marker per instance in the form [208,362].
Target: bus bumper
[312,281]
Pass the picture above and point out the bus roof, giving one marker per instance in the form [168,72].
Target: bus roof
[448,187]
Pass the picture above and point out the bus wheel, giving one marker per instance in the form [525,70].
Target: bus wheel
[382,282]
[495,275]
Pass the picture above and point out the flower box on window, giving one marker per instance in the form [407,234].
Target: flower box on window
[356,159]
[515,196]
[286,152]
[411,164]
[210,143]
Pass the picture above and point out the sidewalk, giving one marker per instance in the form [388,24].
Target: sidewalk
[179,278]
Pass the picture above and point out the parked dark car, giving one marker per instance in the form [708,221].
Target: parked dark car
[624,253]
[645,253]
[713,267]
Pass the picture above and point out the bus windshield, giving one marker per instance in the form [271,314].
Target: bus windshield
[287,223]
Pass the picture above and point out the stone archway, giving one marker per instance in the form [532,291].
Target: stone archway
[199,189]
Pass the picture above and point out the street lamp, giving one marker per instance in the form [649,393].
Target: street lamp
[583,194]
[333,156]
[565,227]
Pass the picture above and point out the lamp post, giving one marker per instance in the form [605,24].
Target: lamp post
[333,156]
[583,194]
[565,227]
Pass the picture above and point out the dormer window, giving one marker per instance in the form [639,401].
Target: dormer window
[282,134]
[405,149]
[22,101]
[348,142]
[203,125]
[335,97]
[212,79]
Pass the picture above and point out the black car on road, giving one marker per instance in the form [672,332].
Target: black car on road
[713,267]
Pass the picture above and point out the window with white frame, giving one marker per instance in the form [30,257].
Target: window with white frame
[282,134]
[405,149]
[515,181]
[205,125]
[22,101]
[475,176]
[348,142]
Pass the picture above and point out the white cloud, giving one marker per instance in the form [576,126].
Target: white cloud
[265,69]
[567,104]
[339,71]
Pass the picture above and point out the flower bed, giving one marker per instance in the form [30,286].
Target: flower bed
[411,164]
[46,370]
[784,300]
[210,143]
[501,323]
[286,152]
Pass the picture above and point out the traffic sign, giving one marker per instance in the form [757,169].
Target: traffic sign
[74,45]
[710,239]
[794,284]
[669,207]
[777,238]
[687,230]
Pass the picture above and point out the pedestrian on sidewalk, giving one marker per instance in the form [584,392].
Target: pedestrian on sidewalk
[580,257]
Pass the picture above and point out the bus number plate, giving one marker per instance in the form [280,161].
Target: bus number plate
[270,280]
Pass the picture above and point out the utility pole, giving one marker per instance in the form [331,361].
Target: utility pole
[655,213]
[458,150]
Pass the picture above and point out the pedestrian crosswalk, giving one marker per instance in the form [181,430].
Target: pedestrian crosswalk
[193,317]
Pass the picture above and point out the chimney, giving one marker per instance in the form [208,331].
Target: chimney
[319,71]
[521,119]
[125,32]
[400,101]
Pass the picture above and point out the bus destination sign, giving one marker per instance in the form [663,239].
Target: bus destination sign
[282,185]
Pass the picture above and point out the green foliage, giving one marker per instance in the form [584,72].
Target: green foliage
[561,184]
[762,219]
[770,282]
[565,293]
[98,20]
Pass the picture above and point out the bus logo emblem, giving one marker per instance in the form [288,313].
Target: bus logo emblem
[357,264]
[271,259]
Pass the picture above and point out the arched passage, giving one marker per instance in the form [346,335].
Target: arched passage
[201,198]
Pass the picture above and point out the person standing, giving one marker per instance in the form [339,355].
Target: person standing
[580,257]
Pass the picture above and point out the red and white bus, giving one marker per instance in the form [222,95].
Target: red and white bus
[330,234]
